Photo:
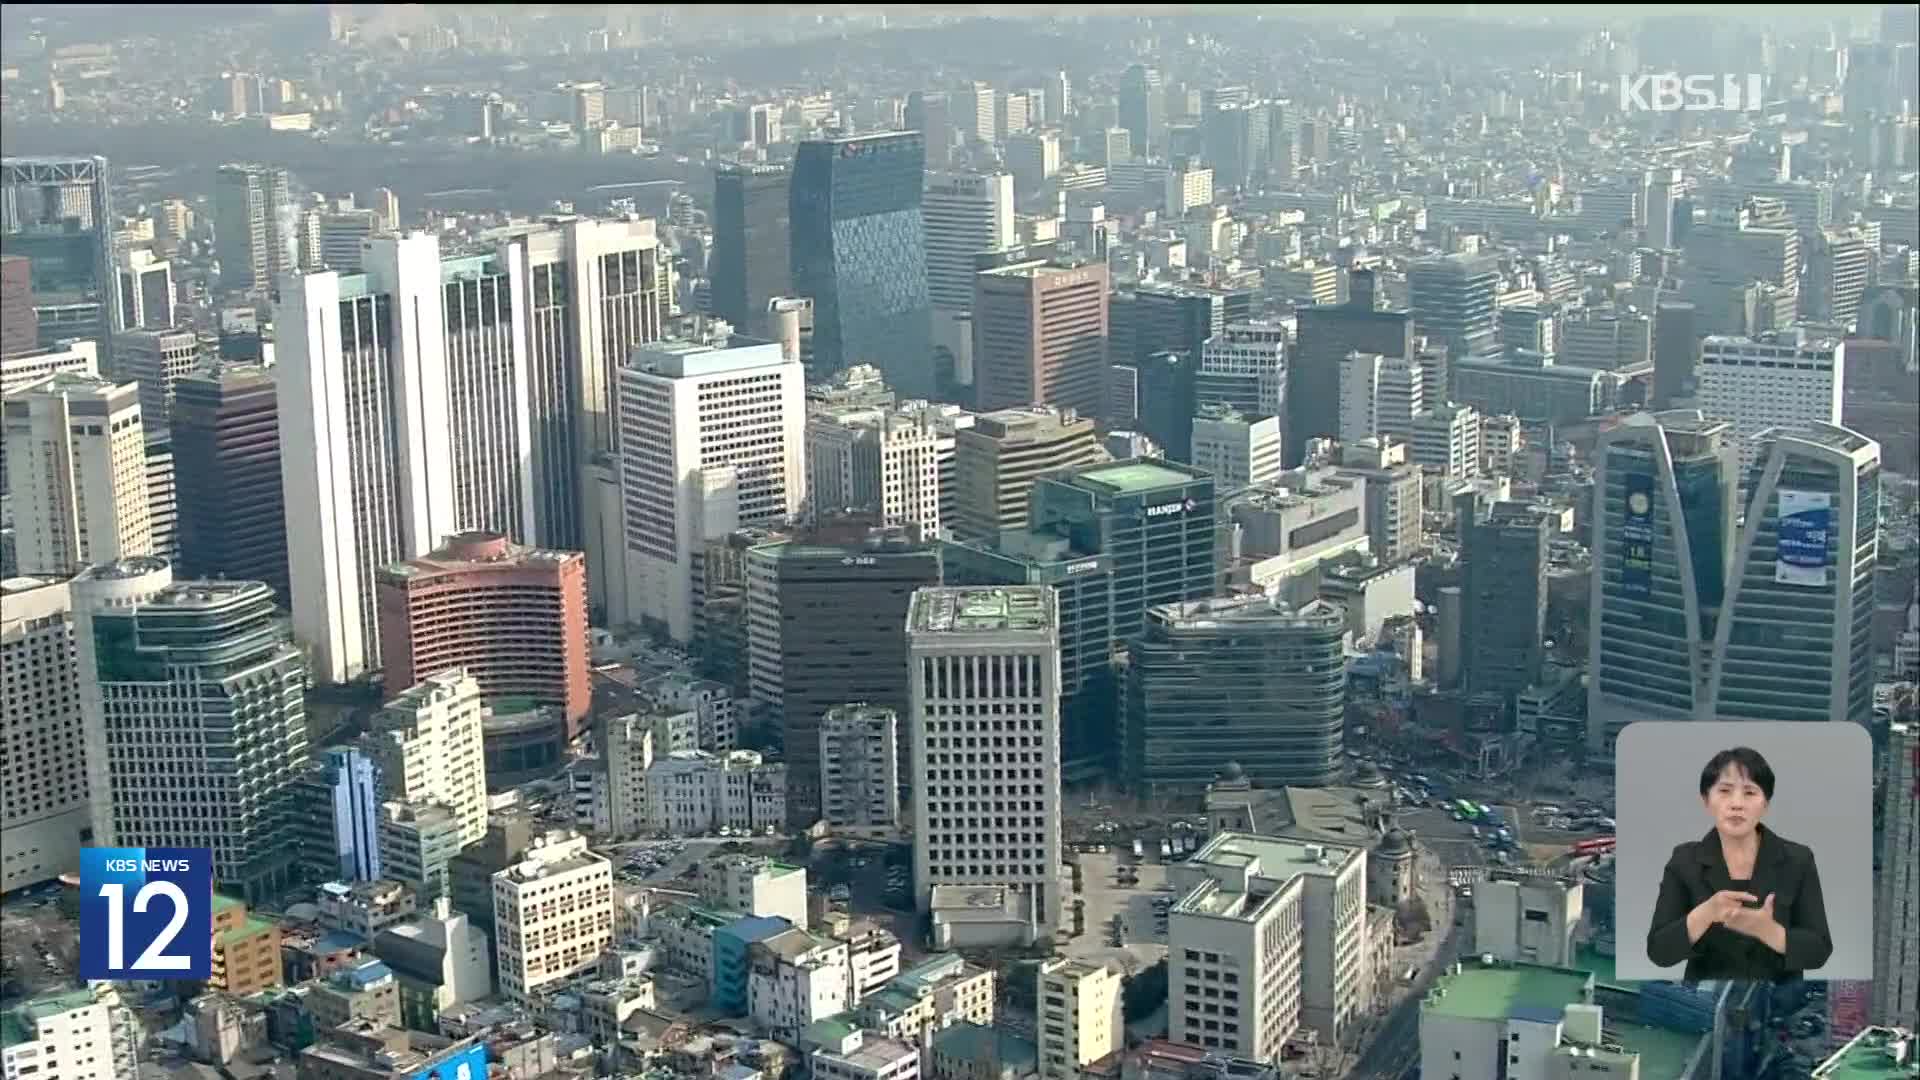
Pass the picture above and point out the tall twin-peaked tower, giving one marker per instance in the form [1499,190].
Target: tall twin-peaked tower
[1695,618]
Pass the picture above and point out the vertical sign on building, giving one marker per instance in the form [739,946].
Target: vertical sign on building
[1636,537]
[1806,526]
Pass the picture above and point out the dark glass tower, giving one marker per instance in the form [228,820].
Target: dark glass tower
[859,252]
[1327,335]
[1453,300]
[1244,679]
[1505,590]
[227,491]
[750,244]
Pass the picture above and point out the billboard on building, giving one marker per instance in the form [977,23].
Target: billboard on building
[1636,537]
[468,1064]
[1806,527]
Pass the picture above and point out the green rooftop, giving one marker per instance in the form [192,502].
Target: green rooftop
[253,927]
[223,903]
[19,1024]
[981,610]
[1663,1051]
[1494,993]
[1869,1056]
[830,1031]
[1134,477]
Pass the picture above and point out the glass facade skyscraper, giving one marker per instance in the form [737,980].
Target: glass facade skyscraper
[750,244]
[1796,639]
[1662,534]
[1114,539]
[859,253]
[356,815]
[1242,679]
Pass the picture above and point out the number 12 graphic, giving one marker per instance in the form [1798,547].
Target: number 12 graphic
[152,904]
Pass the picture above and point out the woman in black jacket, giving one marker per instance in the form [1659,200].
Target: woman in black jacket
[1741,902]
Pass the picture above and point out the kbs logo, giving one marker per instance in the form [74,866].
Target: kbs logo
[1691,93]
[146,913]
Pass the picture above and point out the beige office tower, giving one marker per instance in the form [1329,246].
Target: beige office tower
[1080,1018]
[1040,336]
[41,737]
[1896,911]
[997,460]
[552,914]
[984,685]
[427,744]
[76,462]
[254,225]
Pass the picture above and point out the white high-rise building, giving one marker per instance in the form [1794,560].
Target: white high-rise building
[366,458]
[490,391]
[720,442]
[427,746]
[1284,921]
[860,767]
[1245,366]
[875,459]
[41,735]
[1079,1016]
[594,289]
[145,291]
[76,461]
[178,684]
[1775,380]
[552,914]
[984,682]
[1238,450]
[1379,396]
[964,214]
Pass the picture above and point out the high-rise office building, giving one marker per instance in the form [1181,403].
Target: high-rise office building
[552,914]
[1742,268]
[1794,638]
[1143,109]
[749,264]
[1896,910]
[1243,679]
[1452,300]
[1326,336]
[19,327]
[1504,588]
[1238,450]
[157,360]
[489,390]
[997,460]
[365,457]
[1392,489]
[963,214]
[514,617]
[57,212]
[228,497]
[1663,521]
[427,744]
[1839,265]
[1235,139]
[353,797]
[882,461]
[1033,158]
[22,369]
[859,766]
[1040,337]
[726,435]
[341,235]
[166,755]
[1775,380]
[984,672]
[1676,352]
[143,287]
[1380,396]
[1113,539]
[1245,366]
[253,227]
[859,253]
[163,507]
[594,290]
[929,114]
[1283,920]
[825,614]
[76,466]
[43,809]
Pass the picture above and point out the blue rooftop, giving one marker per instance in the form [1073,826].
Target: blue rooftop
[756,927]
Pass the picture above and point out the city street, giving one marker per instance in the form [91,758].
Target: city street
[1396,1049]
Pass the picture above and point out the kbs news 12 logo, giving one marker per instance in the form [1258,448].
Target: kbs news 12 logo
[146,913]
[1673,92]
